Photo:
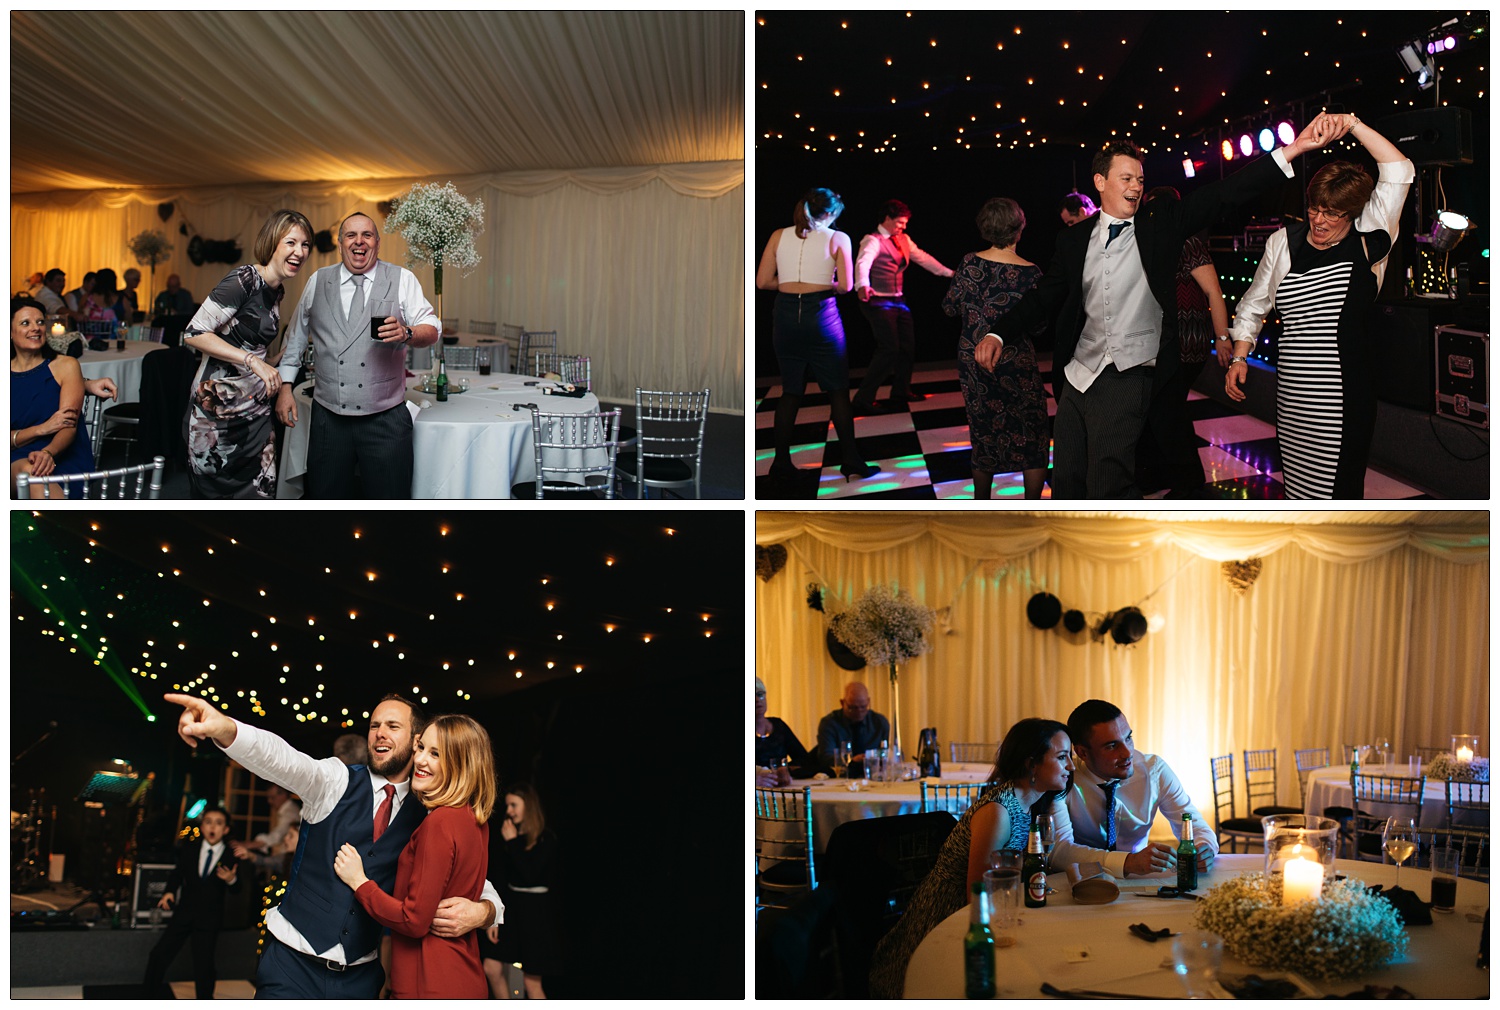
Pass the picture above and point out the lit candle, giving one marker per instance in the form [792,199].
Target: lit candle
[57,329]
[1465,754]
[1302,881]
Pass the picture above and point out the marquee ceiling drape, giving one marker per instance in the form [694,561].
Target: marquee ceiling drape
[608,148]
[1360,625]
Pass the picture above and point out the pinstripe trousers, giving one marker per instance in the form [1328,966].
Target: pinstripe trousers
[1095,433]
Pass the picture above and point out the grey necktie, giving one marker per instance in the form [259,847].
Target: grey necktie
[1114,231]
[357,304]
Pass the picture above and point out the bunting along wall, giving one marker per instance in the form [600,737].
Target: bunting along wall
[1353,630]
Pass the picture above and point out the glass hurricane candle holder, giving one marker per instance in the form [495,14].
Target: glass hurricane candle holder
[1301,851]
[1465,746]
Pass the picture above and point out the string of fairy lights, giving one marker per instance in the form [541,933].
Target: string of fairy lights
[902,94]
[221,672]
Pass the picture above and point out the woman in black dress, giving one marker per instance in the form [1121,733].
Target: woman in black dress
[1006,403]
[1323,277]
[528,857]
[231,442]
[777,748]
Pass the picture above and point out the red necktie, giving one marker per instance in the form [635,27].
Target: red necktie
[903,244]
[383,815]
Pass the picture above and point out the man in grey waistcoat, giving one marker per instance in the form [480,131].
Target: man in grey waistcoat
[360,445]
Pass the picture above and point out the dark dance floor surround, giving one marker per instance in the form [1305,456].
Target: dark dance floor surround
[922,449]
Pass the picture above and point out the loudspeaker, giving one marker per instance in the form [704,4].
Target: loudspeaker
[1432,136]
[1463,375]
[1401,338]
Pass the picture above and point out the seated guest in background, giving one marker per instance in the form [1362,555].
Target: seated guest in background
[1075,208]
[73,299]
[174,300]
[1115,796]
[47,431]
[777,749]
[852,723]
[129,297]
[100,303]
[1032,767]
[286,813]
[206,870]
[32,286]
[231,441]
[50,293]
[350,749]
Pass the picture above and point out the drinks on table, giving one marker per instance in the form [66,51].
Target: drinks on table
[1187,857]
[1400,840]
[1034,870]
[442,380]
[979,946]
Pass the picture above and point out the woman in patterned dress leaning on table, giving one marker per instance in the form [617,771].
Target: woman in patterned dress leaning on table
[1035,761]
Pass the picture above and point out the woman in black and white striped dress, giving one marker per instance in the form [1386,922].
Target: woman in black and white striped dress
[1323,276]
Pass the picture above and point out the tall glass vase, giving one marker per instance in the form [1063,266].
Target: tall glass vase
[437,289]
[896,753]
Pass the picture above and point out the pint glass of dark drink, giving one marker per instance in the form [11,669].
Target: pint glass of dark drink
[380,310]
[482,357]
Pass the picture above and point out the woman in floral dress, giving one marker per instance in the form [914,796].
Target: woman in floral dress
[1007,406]
[231,441]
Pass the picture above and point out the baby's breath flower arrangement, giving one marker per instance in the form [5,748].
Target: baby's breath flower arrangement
[1344,934]
[439,224]
[1446,766]
[885,627]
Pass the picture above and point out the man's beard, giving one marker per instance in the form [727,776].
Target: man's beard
[395,761]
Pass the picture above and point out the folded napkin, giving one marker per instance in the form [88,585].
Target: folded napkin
[1412,909]
[1148,934]
[577,392]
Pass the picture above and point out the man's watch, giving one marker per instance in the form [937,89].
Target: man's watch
[1236,359]
[408,334]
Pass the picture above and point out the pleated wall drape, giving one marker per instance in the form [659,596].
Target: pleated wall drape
[643,269]
[1349,633]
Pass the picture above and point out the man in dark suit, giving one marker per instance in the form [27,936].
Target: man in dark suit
[206,870]
[1105,290]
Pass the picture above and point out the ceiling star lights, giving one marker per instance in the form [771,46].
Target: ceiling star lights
[64,571]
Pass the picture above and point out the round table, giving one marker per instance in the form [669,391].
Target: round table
[476,445]
[1329,787]
[122,366]
[1051,942]
[833,803]
[499,348]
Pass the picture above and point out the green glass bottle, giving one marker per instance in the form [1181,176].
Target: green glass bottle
[979,947]
[1187,857]
[442,380]
[1034,870]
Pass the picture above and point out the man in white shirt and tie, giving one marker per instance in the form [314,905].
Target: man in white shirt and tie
[1115,796]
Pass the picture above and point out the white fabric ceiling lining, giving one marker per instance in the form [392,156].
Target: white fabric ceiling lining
[377,95]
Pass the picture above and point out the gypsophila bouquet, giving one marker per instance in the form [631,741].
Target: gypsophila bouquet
[1345,933]
[884,627]
[439,224]
[150,247]
[1446,766]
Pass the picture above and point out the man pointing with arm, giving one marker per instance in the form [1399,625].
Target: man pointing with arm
[327,946]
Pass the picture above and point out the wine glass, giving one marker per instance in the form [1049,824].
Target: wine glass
[1049,836]
[841,761]
[1383,748]
[1400,838]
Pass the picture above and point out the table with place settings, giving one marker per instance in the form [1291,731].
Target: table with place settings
[833,802]
[499,348]
[122,366]
[1329,787]
[478,444]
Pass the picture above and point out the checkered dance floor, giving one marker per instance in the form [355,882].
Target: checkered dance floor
[922,449]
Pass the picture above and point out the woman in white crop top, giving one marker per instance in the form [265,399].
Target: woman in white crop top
[807,264]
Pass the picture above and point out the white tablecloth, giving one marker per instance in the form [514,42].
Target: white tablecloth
[1440,961]
[122,366]
[473,446]
[499,348]
[833,803]
[1329,787]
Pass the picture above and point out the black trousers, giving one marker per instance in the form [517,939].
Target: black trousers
[204,941]
[286,974]
[895,348]
[1169,443]
[1095,433]
[353,456]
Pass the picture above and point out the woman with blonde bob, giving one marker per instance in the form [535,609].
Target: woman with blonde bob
[231,442]
[453,775]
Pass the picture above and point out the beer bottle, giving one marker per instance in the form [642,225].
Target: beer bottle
[442,380]
[1034,870]
[1187,857]
[979,947]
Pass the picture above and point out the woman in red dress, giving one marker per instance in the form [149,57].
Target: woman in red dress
[453,774]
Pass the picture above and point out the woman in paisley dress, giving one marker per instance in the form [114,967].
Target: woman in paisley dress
[1323,276]
[1033,769]
[231,441]
[1007,405]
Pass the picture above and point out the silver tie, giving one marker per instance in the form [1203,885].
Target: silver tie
[357,304]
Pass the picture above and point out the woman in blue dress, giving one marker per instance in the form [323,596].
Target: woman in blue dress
[47,433]
[1035,762]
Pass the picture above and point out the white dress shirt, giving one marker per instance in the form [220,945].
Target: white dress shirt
[218,854]
[1153,787]
[869,248]
[416,311]
[321,784]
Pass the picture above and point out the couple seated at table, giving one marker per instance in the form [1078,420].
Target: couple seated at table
[1102,814]
[851,728]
